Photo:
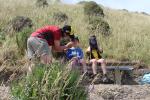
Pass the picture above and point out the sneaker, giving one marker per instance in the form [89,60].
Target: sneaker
[105,79]
[93,76]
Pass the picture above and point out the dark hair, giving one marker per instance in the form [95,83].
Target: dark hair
[76,38]
[66,29]
[72,37]
[93,42]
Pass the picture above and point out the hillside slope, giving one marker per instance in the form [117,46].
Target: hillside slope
[130,30]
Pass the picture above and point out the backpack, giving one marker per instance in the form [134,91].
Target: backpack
[145,79]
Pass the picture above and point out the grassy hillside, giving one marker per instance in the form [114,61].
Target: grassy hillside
[129,40]
[130,37]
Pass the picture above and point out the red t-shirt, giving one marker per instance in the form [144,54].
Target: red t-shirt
[53,30]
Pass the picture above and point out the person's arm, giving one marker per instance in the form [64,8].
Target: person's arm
[88,50]
[57,46]
[100,50]
[70,44]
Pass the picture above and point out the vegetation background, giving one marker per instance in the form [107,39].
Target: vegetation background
[130,30]
[129,38]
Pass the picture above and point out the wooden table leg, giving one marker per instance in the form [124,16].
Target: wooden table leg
[117,76]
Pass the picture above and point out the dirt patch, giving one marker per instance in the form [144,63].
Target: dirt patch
[5,93]
[120,92]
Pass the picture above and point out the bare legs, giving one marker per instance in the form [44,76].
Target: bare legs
[46,59]
[94,65]
[75,61]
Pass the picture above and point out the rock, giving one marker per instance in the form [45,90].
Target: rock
[5,93]
[120,92]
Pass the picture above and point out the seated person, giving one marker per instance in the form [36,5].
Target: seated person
[75,55]
[94,53]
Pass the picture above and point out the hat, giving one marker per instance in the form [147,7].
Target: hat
[66,29]
[76,38]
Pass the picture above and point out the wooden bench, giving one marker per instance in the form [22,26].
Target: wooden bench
[118,70]
[117,67]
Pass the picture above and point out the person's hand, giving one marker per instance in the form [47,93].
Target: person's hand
[70,44]
[49,60]
[101,50]
[65,50]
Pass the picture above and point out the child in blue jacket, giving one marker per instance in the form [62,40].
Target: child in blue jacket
[76,56]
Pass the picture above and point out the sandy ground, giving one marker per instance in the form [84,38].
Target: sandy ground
[5,93]
[120,92]
[104,92]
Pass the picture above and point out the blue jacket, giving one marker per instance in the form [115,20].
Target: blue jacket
[74,52]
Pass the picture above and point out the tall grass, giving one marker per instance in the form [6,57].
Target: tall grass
[51,82]
[130,35]
[130,31]
[21,40]
[129,40]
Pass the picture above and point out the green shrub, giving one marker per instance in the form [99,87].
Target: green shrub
[49,83]
[60,17]
[82,2]
[144,13]
[21,40]
[20,22]
[99,25]
[17,24]
[2,37]
[41,3]
[93,9]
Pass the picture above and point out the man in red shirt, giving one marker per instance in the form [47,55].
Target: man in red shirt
[43,40]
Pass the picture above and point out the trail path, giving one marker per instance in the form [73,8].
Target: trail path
[120,92]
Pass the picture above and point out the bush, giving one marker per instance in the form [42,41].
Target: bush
[41,3]
[60,17]
[17,24]
[21,22]
[49,83]
[2,37]
[21,40]
[99,25]
[144,13]
[82,2]
[93,9]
